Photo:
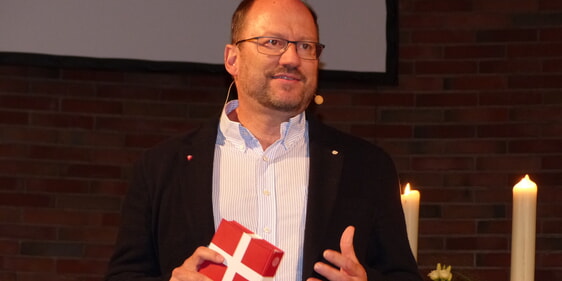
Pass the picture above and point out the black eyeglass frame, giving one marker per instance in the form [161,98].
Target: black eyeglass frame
[319,46]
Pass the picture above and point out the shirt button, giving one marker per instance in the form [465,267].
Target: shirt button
[264,158]
[266,230]
[266,192]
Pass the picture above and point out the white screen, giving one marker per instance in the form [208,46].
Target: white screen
[354,31]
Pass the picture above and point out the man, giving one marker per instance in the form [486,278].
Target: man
[329,200]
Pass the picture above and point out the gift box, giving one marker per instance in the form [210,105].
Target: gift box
[247,256]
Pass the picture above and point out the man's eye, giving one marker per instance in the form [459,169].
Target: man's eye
[306,46]
[273,43]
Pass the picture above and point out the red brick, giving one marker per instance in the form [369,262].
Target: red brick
[90,202]
[84,106]
[505,6]
[543,50]
[474,51]
[64,215]
[511,65]
[513,163]
[137,125]
[553,65]
[62,121]
[11,183]
[29,135]
[550,34]
[452,195]
[114,156]
[401,116]
[446,99]
[91,138]
[445,67]
[552,227]
[473,115]
[494,226]
[134,92]
[8,85]
[445,37]
[507,35]
[440,227]
[9,248]
[13,118]
[70,154]
[29,264]
[550,259]
[13,151]
[506,98]
[103,235]
[473,211]
[382,131]
[489,243]
[444,131]
[92,75]
[47,249]
[442,6]
[93,171]
[57,185]
[62,88]
[552,162]
[537,114]
[421,52]
[508,131]
[549,5]
[535,146]
[28,103]
[493,259]
[18,167]
[535,81]
[24,199]
[458,259]
[10,215]
[98,251]
[82,266]
[481,82]
[173,110]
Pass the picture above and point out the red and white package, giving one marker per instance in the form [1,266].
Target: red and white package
[248,257]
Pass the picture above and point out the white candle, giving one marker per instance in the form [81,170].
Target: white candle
[523,230]
[411,207]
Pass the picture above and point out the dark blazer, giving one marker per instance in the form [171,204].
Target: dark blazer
[168,212]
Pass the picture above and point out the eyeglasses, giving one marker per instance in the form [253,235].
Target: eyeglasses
[274,46]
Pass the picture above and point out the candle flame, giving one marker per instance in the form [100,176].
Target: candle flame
[526,182]
[407,188]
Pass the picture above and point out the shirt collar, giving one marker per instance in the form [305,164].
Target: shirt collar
[291,131]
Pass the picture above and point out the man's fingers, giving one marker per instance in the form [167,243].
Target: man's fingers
[201,255]
[346,243]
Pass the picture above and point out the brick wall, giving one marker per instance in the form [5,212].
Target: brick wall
[478,105]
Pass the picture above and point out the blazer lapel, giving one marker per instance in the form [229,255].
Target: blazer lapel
[197,156]
[326,162]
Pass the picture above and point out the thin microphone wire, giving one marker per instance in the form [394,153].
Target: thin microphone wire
[228,94]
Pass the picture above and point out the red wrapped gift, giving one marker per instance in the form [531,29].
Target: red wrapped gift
[247,256]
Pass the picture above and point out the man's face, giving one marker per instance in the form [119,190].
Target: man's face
[283,83]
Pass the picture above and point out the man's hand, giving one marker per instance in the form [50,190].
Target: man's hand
[346,261]
[188,270]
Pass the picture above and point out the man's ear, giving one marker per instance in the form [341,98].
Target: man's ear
[230,58]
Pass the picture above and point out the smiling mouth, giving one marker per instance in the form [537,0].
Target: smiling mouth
[286,77]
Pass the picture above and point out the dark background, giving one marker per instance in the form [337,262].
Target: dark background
[477,106]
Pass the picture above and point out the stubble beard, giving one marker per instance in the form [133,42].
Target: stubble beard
[273,98]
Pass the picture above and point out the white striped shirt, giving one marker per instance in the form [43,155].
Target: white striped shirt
[265,191]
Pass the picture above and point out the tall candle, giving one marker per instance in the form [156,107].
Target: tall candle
[411,206]
[523,230]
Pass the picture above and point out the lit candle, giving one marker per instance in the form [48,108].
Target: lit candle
[523,230]
[411,207]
